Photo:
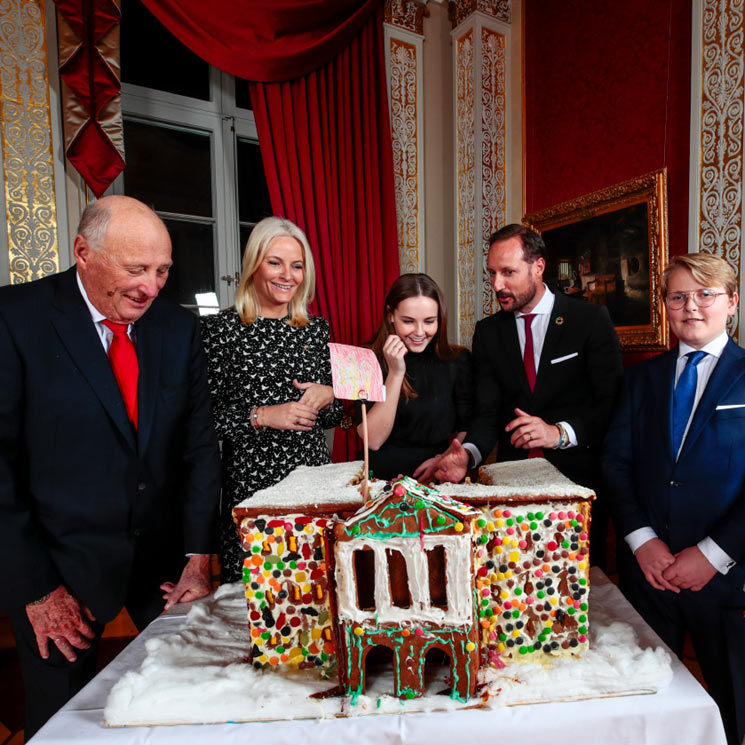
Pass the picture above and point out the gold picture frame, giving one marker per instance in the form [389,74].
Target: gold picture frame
[610,247]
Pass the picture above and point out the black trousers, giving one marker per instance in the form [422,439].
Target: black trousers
[714,618]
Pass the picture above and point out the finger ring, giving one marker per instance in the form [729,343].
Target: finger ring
[530,437]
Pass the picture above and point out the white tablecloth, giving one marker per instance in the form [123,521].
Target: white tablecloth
[681,713]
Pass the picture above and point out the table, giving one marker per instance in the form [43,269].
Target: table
[680,713]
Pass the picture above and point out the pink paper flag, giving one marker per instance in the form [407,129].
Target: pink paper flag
[356,373]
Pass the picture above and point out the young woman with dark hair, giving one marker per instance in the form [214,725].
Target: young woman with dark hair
[428,382]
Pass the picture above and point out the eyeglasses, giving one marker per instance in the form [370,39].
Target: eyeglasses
[702,298]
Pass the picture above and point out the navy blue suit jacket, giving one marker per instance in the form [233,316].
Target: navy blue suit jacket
[84,499]
[703,493]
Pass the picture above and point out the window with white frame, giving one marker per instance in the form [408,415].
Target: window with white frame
[192,154]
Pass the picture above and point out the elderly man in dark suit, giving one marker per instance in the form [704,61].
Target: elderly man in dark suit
[675,472]
[109,466]
[547,371]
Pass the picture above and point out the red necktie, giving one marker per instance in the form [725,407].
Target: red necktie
[123,359]
[529,354]
[529,364]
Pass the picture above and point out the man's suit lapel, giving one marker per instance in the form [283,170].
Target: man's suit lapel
[73,323]
[727,373]
[558,325]
[661,376]
[149,349]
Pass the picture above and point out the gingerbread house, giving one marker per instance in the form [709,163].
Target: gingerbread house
[486,574]
[404,576]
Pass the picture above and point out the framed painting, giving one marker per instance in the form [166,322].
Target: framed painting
[610,247]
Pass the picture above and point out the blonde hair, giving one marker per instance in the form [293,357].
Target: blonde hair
[246,298]
[706,269]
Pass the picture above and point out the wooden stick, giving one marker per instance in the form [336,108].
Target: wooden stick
[366,464]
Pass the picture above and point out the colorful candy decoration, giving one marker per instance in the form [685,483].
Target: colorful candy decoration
[532,579]
[287,592]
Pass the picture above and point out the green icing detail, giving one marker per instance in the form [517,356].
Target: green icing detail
[539,515]
[582,629]
[583,606]
[515,613]
[582,581]
[583,618]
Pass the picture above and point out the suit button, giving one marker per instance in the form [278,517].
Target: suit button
[142,486]
[136,532]
[675,483]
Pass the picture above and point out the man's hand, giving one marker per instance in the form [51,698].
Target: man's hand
[60,618]
[453,463]
[691,570]
[315,395]
[532,432]
[654,557]
[195,582]
[425,472]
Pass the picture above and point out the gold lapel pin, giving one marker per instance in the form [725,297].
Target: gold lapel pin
[559,320]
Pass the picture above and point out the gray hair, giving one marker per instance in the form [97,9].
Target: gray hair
[94,223]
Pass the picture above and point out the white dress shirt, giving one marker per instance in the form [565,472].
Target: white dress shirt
[539,328]
[721,561]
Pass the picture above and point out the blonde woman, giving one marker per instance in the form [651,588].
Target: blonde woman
[269,374]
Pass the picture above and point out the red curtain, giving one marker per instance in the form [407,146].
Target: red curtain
[264,40]
[326,146]
[322,114]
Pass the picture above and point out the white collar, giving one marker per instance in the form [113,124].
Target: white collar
[715,347]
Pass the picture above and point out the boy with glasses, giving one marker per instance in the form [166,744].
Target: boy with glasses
[674,471]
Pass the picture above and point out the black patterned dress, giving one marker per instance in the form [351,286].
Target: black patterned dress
[254,366]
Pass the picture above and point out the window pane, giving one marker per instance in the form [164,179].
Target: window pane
[245,231]
[242,95]
[153,57]
[253,195]
[436,562]
[364,574]
[193,269]
[398,578]
[167,168]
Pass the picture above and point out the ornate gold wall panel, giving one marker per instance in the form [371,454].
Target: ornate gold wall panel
[493,149]
[405,135]
[481,141]
[459,10]
[465,132]
[407,14]
[721,136]
[31,213]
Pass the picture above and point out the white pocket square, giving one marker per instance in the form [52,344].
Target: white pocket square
[731,406]
[564,358]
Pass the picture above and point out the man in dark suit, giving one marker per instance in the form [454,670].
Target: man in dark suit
[675,474]
[547,370]
[109,468]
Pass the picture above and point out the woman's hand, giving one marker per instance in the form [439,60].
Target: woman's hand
[292,415]
[394,351]
[315,395]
